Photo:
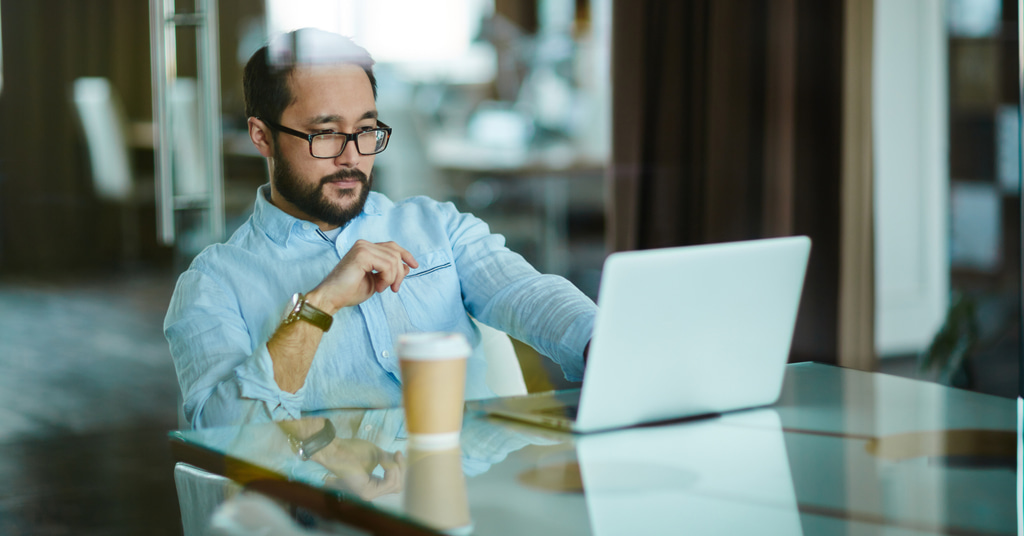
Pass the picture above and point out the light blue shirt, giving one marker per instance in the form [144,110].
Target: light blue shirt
[231,299]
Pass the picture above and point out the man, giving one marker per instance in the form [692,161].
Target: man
[360,269]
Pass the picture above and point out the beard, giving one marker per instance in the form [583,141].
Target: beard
[310,198]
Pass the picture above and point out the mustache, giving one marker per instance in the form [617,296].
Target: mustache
[345,174]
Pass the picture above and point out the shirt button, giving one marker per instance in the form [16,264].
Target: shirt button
[306,226]
[367,428]
[385,353]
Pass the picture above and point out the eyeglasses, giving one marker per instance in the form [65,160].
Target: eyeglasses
[332,144]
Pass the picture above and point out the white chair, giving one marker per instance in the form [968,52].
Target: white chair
[103,122]
[504,374]
[251,513]
[199,495]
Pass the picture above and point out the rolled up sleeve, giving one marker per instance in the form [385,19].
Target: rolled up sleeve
[224,379]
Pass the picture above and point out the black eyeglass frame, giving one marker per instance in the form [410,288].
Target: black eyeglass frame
[348,137]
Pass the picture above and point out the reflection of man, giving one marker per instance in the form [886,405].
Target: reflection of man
[360,269]
[351,461]
[361,452]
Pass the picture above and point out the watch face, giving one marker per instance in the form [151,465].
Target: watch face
[293,306]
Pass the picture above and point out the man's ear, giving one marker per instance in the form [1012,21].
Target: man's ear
[259,133]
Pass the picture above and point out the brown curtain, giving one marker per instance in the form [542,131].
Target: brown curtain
[728,125]
[856,345]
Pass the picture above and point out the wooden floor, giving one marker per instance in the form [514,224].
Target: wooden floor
[87,395]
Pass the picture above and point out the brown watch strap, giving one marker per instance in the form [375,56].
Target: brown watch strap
[303,310]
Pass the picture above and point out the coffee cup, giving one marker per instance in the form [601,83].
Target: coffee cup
[433,387]
[435,490]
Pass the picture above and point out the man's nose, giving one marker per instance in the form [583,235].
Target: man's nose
[349,156]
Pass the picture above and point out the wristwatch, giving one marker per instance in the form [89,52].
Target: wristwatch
[306,448]
[300,309]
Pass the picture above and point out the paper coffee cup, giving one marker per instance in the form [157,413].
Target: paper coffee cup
[433,386]
[435,490]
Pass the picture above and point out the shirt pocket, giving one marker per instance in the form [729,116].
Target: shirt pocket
[432,294]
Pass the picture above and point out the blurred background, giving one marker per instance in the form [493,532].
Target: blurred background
[502,107]
[887,131]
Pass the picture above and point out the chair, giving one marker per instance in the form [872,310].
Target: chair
[103,122]
[199,495]
[504,374]
[102,118]
[251,513]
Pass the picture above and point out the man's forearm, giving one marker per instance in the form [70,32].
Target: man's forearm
[292,348]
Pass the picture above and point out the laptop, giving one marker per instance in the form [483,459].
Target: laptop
[681,332]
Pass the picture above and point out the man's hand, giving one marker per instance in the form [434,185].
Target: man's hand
[352,462]
[366,269]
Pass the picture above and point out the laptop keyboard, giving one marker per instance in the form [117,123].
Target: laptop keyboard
[560,411]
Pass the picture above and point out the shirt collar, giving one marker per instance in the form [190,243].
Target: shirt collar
[279,225]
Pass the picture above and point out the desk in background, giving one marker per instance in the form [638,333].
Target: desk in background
[549,204]
[842,452]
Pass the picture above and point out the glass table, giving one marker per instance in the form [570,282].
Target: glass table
[842,452]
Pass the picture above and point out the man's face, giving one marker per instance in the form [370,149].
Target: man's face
[326,191]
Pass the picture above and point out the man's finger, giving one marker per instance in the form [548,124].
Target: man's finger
[390,461]
[403,253]
[394,469]
[407,262]
[392,481]
[404,262]
[390,273]
[407,258]
[383,267]
[380,281]
[403,271]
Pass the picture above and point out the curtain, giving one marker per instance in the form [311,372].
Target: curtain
[857,245]
[728,124]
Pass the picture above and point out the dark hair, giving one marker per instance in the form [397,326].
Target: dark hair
[265,79]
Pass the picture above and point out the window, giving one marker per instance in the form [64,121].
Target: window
[424,32]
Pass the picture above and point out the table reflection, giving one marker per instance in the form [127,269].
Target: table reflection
[699,478]
[834,457]
[368,459]
[435,491]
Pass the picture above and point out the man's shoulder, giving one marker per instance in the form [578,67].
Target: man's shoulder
[417,204]
[241,244]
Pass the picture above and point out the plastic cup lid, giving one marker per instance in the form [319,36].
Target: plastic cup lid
[433,345]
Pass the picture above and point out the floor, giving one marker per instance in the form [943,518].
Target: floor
[87,395]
